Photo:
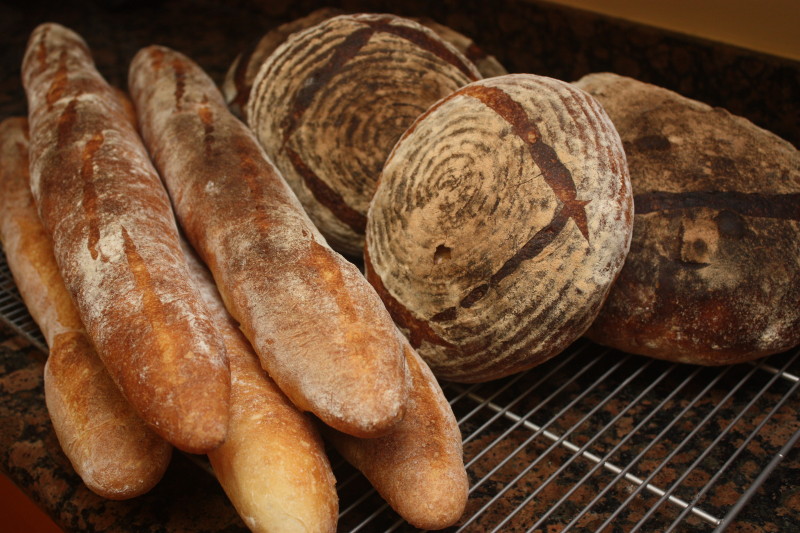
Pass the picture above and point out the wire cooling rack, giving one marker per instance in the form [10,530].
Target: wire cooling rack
[592,438]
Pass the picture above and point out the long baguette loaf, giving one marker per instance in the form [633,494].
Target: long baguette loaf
[115,453]
[320,330]
[418,468]
[273,464]
[116,243]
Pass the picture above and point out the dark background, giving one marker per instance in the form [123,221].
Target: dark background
[525,36]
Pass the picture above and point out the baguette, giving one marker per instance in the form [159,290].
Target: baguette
[318,327]
[116,243]
[272,465]
[115,453]
[419,467]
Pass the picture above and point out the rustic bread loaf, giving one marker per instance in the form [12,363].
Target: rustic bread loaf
[115,453]
[104,208]
[331,101]
[501,218]
[712,275]
[418,468]
[316,323]
[242,72]
[272,464]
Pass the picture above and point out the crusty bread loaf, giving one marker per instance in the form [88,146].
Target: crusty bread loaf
[330,102]
[242,72]
[272,464]
[714,268]
[419,467]
[501,218]
[319,328]
[115,453]
[116,242]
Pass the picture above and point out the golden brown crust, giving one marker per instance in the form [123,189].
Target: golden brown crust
[330,102]
[110,447]
[319,328]
[419,467]
[272,464]
[712,275]
[501,218]
[116,243]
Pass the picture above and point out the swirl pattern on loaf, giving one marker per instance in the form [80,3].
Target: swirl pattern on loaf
[331,101]
[501,219]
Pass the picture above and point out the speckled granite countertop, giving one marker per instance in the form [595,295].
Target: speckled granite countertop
[525,36]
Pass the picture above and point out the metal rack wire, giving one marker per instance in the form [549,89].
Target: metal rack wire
[594,437]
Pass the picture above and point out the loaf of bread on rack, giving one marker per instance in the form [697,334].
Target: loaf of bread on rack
[317,325]
[419,467]
[113,451]
[103,206]
[242,72]
[272,464]
[713,273]
[330,102]
[501,219]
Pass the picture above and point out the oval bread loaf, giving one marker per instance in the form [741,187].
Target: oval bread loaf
[331,101]
[712,275]
[501,218]
[113,451]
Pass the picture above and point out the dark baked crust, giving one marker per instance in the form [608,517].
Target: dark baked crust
[712,274]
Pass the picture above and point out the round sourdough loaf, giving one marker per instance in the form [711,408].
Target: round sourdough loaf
[330,102]
[501,218]
[240,75]
[713,274]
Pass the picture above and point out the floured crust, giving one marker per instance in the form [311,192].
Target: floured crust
[712,275]
[319,328]
[272,464]
[111,448]
[330,102]
[501,219]
[244,69]
[419,467]
[116,243]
